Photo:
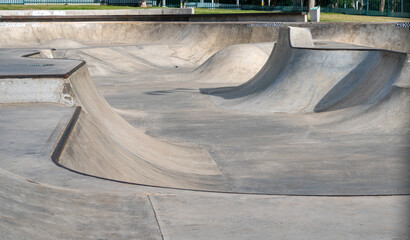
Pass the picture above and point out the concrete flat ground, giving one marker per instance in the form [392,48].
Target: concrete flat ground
[127,130]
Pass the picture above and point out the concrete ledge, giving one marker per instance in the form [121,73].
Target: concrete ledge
[242,17]
[251,17]
[125,12]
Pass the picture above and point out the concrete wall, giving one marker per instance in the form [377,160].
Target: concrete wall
[378,35]
[166,15]
[97,12]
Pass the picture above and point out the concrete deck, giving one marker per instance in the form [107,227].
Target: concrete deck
[174,143]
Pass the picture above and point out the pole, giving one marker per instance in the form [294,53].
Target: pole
[345,6]
[367,7]
[402,6]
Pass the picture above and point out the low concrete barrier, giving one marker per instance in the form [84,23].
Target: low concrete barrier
[251,17]
[125,12]
[240,17]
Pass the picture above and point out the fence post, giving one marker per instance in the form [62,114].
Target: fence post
[388,8]
[402,6]
[345,6]
[367,7]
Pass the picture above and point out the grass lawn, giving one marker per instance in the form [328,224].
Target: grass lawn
[324,17]
[340,17]
[224,11]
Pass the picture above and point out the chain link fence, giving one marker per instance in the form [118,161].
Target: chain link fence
[72,2]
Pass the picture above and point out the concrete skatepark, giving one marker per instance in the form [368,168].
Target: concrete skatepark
[139,130]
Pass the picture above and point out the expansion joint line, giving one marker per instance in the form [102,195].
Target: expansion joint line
[156,217]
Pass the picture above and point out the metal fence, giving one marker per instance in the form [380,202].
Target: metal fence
[72,2]
[261,5]
[391,8]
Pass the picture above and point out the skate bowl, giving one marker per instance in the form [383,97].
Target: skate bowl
[290,81]
[148,130]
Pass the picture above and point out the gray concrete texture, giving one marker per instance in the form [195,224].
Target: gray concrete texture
[159,14]
[305,138]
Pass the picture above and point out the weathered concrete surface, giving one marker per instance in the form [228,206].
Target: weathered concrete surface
[24,62]
[348,151]
[299,78]
[388,36]
[231,61]
[104,209]
[267,217]
[26,77]
[162,15]
[108,138]
[37,211]
[101,135]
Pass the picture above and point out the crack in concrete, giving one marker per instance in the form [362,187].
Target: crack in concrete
[156,217]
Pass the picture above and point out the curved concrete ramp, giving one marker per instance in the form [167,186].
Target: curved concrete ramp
[234,64]
[390,114]
[301,78]
[105,145]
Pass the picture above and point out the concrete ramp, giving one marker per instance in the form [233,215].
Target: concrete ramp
[298,77]
[389,115]
[98,141]
[234,64]
[103,144]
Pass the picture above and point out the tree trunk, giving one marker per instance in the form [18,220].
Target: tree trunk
[311,4]
[382,3]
